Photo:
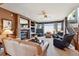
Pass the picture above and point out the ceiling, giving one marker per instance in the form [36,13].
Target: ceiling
[55,11]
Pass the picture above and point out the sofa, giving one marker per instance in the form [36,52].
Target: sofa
[24,48]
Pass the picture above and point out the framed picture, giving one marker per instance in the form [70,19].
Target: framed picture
[7,24]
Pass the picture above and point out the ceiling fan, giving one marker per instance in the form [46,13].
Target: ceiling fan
[44,13]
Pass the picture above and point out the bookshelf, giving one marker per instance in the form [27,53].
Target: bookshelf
[32,29]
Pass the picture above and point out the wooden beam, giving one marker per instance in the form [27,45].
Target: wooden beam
[50,22]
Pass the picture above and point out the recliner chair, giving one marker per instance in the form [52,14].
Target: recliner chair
[64,42]
[66,39]
[58,35]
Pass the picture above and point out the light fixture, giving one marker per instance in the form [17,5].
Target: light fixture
[44,13]
[6,33]
[45,16]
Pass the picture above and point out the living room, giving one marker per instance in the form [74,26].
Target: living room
[39,29]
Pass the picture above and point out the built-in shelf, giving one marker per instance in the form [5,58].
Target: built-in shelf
[24,29]
[32,29]
[27,28]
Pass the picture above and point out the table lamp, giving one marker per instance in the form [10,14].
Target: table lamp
[6,33]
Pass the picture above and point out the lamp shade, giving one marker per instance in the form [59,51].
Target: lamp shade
[7,32]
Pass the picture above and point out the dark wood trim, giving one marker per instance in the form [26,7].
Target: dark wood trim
[24,17]
[7,10]
[62,26]
[50,22]
[65,24]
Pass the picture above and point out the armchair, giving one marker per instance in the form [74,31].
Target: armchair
[64,42]
[58,35]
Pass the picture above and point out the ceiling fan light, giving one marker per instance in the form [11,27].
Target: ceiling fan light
[45,16]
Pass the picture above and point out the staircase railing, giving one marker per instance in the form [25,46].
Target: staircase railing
[76,36]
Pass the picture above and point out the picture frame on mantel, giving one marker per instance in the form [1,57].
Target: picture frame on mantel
[6,24]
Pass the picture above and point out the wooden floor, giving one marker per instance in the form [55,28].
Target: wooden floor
[53,51]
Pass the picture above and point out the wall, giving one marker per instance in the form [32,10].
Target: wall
[15,18]
[5,14]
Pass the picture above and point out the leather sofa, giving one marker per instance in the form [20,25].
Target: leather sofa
[24,48]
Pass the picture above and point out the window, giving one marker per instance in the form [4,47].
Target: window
[52,27]
[72,18]
[48,28]
[39,26]
[59,26]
